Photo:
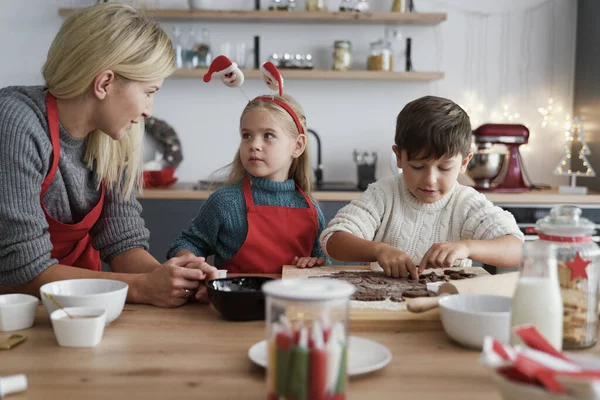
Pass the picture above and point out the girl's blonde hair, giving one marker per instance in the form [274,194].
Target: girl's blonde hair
[300,170]
[114,37]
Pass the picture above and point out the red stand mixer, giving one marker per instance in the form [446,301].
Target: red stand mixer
[496,171]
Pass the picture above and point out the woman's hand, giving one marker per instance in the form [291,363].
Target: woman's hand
[176,280]
[309,262]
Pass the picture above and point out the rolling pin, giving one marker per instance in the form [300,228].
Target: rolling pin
[498,285]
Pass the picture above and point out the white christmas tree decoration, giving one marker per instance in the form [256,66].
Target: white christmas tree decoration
[574,133]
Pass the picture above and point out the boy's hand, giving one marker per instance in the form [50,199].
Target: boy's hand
[443,255]
[308,262]
[395,262]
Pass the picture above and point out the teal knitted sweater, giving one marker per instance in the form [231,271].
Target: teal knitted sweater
[221,226]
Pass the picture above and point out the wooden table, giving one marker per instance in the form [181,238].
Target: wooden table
[191,353]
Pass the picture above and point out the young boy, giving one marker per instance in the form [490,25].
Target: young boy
[424,218]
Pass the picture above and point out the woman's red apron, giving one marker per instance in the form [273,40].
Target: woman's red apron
[276,235]
[72,243]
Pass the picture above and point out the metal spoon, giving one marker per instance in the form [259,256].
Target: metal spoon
[58,304]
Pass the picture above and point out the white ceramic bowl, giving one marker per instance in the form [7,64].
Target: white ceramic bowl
[95,293]
[17,311]
[79,332]
[469,318]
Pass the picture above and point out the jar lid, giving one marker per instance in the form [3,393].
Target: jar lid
[342,43]
[309,289]
[565,220]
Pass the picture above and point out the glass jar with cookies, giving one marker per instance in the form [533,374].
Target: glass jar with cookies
[578,259]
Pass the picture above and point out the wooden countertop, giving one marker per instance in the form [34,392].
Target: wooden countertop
[191,353]
[185,191]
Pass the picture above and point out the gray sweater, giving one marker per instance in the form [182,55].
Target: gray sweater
[25,160]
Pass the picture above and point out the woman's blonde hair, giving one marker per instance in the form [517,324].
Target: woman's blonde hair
[114,37]
[300,170]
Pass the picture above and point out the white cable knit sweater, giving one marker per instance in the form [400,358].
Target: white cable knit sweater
[387,212]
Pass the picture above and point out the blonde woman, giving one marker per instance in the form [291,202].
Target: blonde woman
[70,159]
[265,218]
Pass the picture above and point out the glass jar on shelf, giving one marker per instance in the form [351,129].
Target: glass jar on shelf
[279,5]
[380,57]
[202,55]
[307,337]
[578,259]
[362,6]
[347,5]
[400,6]
[342,57]
[316,5]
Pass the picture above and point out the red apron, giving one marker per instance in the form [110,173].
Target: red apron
[276,235]
[72,243]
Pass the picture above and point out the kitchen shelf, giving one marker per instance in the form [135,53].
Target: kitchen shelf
[324,74]
[391,18]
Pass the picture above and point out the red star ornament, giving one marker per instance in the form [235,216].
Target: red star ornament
[578,266]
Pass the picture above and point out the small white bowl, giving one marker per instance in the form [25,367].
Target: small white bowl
[17,311]
[469,318]
[79,332]
[96,293]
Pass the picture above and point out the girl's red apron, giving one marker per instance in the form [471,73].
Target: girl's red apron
[276,235]
[72,243]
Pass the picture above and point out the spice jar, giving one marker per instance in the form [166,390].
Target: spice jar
[307,336]
[347,5]
[399,6]
[316,5]
[279,5]
[380,58]
[578,259]
[342,58]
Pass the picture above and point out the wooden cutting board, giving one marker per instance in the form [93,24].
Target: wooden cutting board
[380,314]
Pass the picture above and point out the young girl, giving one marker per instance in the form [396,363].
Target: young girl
[264,218]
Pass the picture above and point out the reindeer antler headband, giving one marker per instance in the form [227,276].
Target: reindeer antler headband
[232,76]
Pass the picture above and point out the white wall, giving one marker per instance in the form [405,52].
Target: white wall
[516,52]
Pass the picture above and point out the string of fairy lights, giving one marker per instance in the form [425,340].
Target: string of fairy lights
[552,115]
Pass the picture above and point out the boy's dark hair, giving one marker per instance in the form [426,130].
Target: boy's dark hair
[433,127]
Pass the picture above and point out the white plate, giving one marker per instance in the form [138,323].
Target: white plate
[364,355]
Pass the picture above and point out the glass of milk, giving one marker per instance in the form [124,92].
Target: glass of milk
[537,300]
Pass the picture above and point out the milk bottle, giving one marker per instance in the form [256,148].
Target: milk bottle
[537,300]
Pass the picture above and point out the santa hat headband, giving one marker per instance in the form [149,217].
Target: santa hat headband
[232,76]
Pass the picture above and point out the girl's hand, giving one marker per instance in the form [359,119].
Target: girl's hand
[443,255]
[309,262]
